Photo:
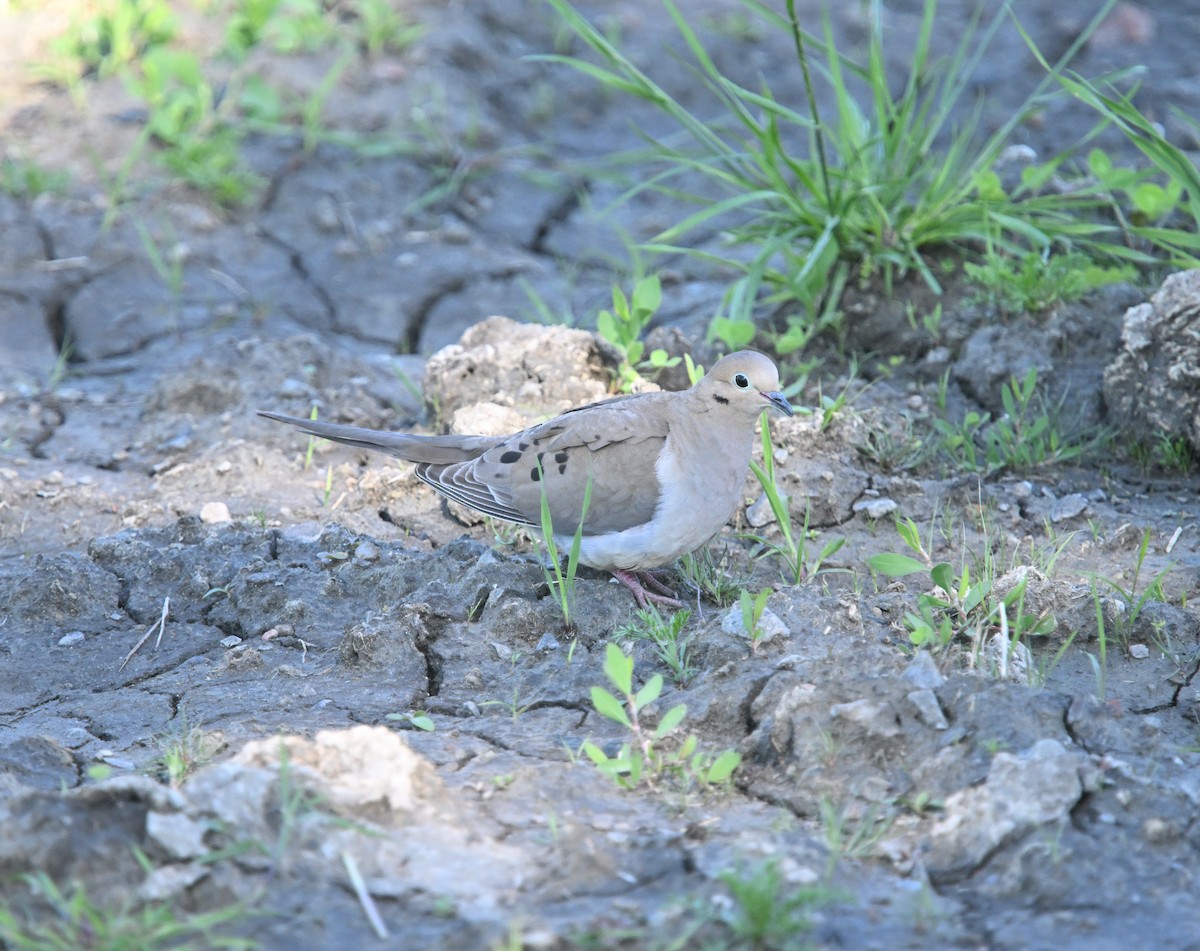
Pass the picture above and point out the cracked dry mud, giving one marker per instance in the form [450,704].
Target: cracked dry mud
[992,813]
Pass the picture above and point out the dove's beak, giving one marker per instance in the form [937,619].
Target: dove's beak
[779,401]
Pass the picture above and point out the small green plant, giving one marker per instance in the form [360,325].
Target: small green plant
[562,581]
[54,920]
[183,753]
[666,634]
[753,607]
[873,187]
[649,756]
[515,706]
[117,34]
[847,838]
[417,719]
[1037,280]
[379,27]
[791,548]
[1028,435]
[957,604]
[768,913]
[1132,601]
[26,180]
[712,576]
[624,325]
[196,142]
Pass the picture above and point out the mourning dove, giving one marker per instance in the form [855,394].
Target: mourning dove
[665,469]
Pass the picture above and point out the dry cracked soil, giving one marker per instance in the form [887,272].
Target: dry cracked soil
[303,610]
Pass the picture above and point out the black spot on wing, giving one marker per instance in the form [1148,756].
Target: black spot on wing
[536,473]
[511,456]
[560,457]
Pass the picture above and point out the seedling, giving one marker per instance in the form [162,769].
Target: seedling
[624,325]
[752,612]
[647,756]
[562,582]
[666,634]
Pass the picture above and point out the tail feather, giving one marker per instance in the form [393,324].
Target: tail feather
[407,446]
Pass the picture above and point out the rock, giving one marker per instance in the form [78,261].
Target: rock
[213,513]
[922,671]
[875,508]
[877,716]
[551,368]
[1152,388]
[1069,506]
[769,625]
[928,708]
[1022,792]
[180,836]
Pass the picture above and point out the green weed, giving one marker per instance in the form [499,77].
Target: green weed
[54,920]
[874,187]
[767,912]
[1037,281]
[666,634]
[623,327]
[648,756]
[958,603]
[562,581]
[26,180]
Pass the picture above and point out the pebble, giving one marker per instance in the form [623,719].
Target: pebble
[292,388]
[875,508]
[1068,506]
[1139,651]
[547,642]
[215,512]
[231,640]
[366,551]
[224,466]
[759,512]
[769,625]
[928,708]
[70,640]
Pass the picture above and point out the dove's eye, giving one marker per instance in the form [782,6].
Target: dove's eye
[741,380]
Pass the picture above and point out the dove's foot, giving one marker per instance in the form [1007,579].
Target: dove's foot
[638,581]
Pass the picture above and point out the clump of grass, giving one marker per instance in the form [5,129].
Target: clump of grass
[872,188]
[666,634]
[52,919]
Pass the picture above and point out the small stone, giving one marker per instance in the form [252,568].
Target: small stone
[1068,506]
[1022,489]
[224,467]
[875,509]
[180,836]
[231,641]
[759,512]
[769,625]
[366,551]
[547,642]
[1159,831]
[214,513]
[70,640]
[1139,651]
[876,716]
[928,708]
[922,672]
[291,388]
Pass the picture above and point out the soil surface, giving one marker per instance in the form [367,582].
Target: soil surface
[299,609]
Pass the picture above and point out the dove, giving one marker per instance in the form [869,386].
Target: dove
[661,472]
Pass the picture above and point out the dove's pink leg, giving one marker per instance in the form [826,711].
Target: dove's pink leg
[633,580]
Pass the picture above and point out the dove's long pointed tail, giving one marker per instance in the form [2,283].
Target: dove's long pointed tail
[438,450]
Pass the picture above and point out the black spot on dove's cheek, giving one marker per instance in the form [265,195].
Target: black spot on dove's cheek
[511,456]
[721,399]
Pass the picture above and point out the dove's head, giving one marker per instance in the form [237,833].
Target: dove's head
[746,381]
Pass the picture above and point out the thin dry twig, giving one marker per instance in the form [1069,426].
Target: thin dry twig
[160,625]
[364,897]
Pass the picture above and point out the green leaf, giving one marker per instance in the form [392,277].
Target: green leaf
[595,754]
[894,565]
[943,576]
[609,706]
[723,766]
[649,692]
[618,669]
[670,720]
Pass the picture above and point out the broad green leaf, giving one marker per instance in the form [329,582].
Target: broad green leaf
[609,706]
[618,669]
[671,719]
[723,766]
[894,565]
[649,692]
